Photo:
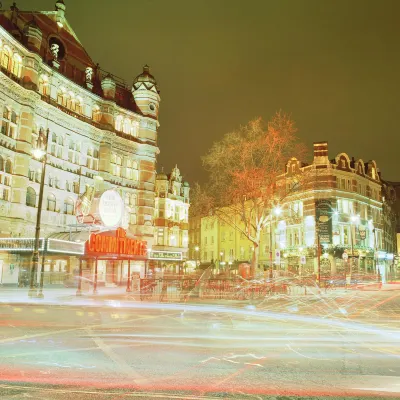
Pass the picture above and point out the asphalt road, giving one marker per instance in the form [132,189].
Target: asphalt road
[344,346]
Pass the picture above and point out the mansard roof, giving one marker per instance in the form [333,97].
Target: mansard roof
[76,59]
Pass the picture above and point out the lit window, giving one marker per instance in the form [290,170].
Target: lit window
[69,206]
[6,57]
[118,123]
[127,125]
[16,65]
[44,87]
[96,115]
[51,202]
[9,123]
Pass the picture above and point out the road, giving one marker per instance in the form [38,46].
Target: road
[343,346]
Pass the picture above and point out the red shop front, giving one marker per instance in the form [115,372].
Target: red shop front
[111,259]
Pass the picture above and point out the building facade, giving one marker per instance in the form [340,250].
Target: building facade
[97,127]
[171,221]
[361,222]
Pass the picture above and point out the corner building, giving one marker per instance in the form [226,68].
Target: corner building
[98,126]
[362,223]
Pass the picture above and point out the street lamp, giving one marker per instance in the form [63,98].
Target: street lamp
[40,153]
[276,211]
[354,220]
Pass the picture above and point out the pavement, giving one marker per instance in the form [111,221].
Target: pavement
[271,350]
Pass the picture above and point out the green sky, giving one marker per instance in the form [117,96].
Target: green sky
[334,65]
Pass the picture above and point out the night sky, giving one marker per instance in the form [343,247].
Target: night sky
[334,65]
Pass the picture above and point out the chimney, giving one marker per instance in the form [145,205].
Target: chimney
[321,153]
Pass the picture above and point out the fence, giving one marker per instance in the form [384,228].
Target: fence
[165,290]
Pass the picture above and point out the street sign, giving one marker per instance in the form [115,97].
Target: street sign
[302,259]
[345,256]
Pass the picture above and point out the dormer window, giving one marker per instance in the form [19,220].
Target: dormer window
[373,173]
[343,163]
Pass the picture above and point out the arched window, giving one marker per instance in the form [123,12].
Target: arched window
[9,122]
[62,96]
[79,105]
[118,123]
[44,85]
[96,113]
[51,202]
[1,164]
[6,57]
[127,125]
[70,101]
[31,197]
[16,65]
[69,206]
[8,167]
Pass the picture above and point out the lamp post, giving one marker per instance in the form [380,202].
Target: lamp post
[353,220]
[276,211]
[40,153]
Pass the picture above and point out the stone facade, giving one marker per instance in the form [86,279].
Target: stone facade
[362,213]
[98,127]
[171,218]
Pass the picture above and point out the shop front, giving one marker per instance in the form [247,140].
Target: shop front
[59,259]
[112,258]
[167,262]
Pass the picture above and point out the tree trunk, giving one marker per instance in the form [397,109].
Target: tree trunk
[254,261]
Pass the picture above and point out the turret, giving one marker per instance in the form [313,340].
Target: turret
[33,39]
[33,36]
[146,94]
[108,86]
[162,183]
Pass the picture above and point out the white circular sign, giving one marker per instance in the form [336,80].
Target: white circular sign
[111,208]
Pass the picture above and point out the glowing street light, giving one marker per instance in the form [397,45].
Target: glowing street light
[278,210]
[38,153]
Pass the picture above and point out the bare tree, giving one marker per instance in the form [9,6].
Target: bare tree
[243,170]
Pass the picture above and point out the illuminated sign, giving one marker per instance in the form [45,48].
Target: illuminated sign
[116,244]
[111,208]
[166,255]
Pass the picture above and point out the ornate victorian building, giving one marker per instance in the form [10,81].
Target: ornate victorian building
[342,203]
[97,126]
[171,220]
